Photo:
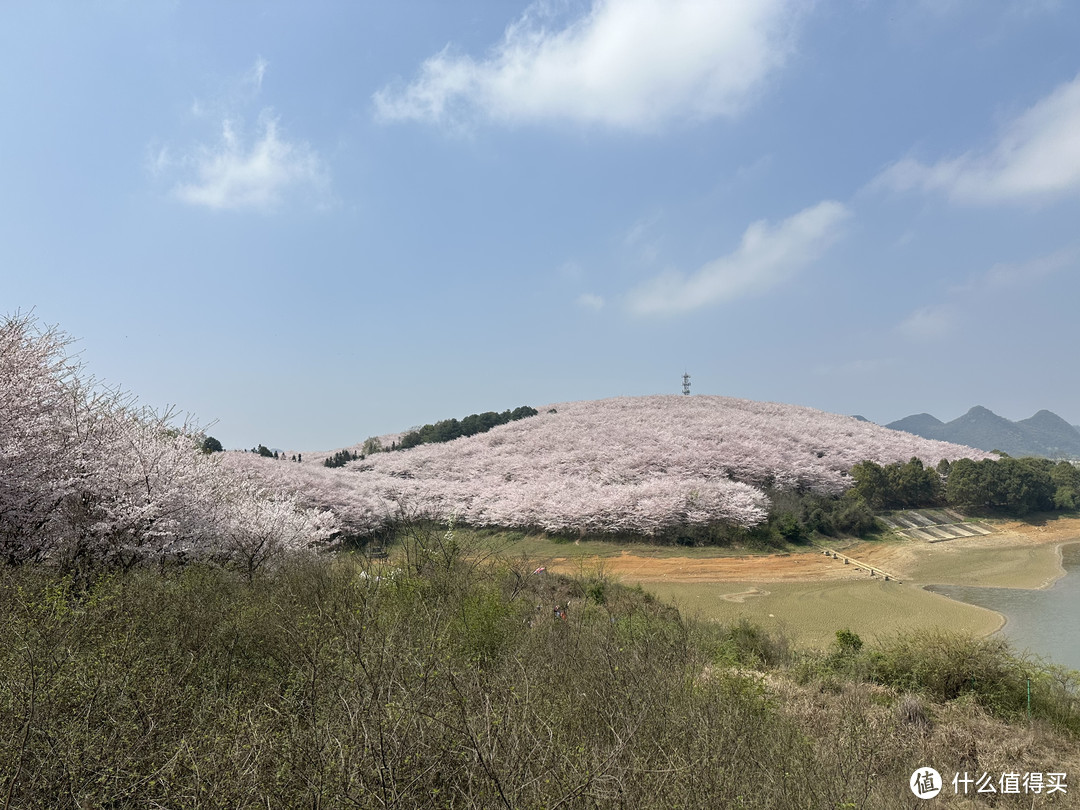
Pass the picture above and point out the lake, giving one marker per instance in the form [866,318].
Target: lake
[1043,622]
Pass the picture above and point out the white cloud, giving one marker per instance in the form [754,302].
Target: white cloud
[158,159]
[985,293]
[626,63]
[1036,156]
[1005,276]
[254,77]
[929,323]
[767,256]
[234,175]
[590,301]
[642,239]
[641,230]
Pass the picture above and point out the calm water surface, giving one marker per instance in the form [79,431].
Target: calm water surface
[1046,623]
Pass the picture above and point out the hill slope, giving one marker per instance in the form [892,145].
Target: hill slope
[921,424]
[631,464]
[1044,434]
[1052,433]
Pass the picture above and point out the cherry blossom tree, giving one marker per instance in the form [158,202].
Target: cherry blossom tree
[258,527]
[639,465]
[50,421]
[86,478]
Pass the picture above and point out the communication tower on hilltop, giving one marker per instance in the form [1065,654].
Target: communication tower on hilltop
[686,383]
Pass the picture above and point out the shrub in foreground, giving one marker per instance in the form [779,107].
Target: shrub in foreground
[437,679]
[943,667]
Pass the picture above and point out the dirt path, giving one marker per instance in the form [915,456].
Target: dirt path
[811,566]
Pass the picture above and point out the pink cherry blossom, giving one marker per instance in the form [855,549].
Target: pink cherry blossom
[637,465]
[87,476]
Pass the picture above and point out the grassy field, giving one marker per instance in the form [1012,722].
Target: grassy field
[810,613]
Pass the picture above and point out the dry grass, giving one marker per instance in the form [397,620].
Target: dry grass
[952,737]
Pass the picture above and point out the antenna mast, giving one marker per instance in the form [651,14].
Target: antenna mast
[686,383]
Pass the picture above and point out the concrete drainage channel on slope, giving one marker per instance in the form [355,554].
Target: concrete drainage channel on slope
[874,570]
[933,525]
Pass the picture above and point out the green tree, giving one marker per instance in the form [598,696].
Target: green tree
[1024,485]
[967,484]
[211,445]
[341,458]
[855,517]
[916,485]
[1066,480]
[410,439]
[871,484]
[848,642]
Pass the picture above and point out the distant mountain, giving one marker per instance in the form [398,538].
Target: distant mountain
[921,424]
[1054,433]
[981,427]
[1044,434]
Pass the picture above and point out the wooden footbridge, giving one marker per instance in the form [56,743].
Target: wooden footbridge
[873,569]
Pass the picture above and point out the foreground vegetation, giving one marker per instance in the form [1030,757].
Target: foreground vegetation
[441,678]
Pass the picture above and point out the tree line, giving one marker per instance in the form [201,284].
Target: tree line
[445,431]
[449,429]
[1014,485]
[341,458]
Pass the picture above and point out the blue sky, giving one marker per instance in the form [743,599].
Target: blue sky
[317,222]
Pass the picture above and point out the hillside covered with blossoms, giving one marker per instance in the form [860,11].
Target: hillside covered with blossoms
[638,465]
[88,478]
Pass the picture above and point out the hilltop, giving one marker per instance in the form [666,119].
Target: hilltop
[1044,434]
[637,465]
